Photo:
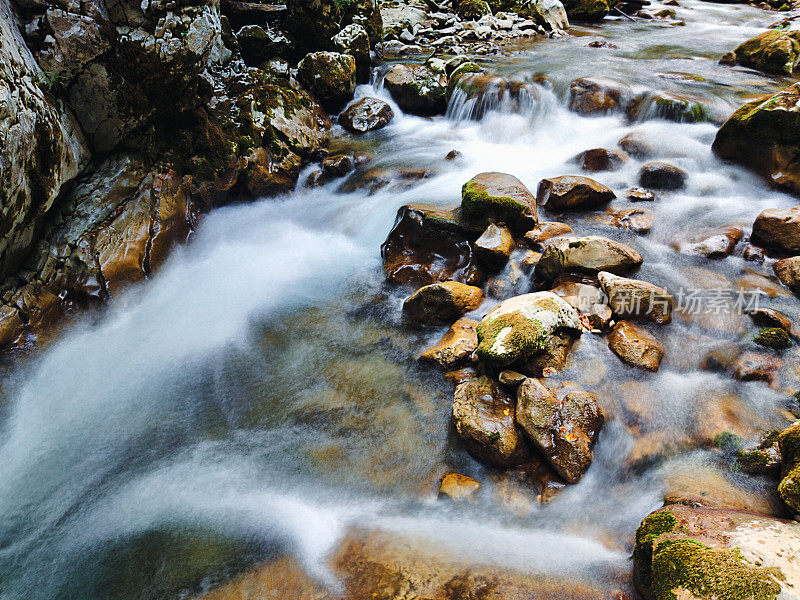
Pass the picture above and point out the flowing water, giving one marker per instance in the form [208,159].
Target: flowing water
[259,395]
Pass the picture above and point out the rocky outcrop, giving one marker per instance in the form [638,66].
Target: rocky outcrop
[764,135]
[43,147]
[713,553]
[587,10]
[524,326]
[590,95]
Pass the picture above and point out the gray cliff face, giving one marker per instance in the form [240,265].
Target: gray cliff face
[42,145]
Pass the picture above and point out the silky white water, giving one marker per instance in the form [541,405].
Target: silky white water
[257,396]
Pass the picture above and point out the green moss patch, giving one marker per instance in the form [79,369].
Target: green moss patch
[774,338]
[526,337]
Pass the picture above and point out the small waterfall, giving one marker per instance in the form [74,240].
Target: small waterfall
[477,95]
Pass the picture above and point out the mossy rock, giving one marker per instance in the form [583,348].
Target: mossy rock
[417,89]
[330,76]
[587,10]
[523,326]
[498,198]
[772,52]
[774,338]
[714,554]
[473,10]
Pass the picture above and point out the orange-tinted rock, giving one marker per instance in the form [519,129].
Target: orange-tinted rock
[456,347]
[635,346]
[458,487]
[545,230]
[717,243]
[571,192]
[597,95]
[788,271]
[778,228]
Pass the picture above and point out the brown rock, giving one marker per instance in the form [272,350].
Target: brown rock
[637,144]
[767,317]
[458,487]
[441,302]
[417,89]
[635,298]
[597,95]
[590,254]
[601,159]
[756,366]
[456,347]
[717,243]
[483,415]
[778,228]
[545,230]
[635,346]
[367,114]
[498,198]
[571,192]
[495,245]
[788,272]
[562,430]
[511,379]
[662,175]
[429,244]
[337,165]
[640,194]
[638,220]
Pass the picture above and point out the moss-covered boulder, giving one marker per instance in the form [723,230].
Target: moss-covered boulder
[523,326]
[353,40]
[330,76]
[715,554]
[763,459]
[441,302]
[483,415]
[671,107]
[429,244]
[562,430]
[573,192]
[587,10]
[498,198]
[764,135]
[774,338]
[589,254]
[472,10]
[772,52]
[417,89]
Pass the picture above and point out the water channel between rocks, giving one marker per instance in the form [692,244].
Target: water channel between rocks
[261,395]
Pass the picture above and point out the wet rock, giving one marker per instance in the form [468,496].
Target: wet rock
[778,228]
[511,379]
[774,338]
[577,293]
[417,89]
[679,109]
[337,165]
[458,487]
[763,136]
[498,198]
[764,459]
[635,298]
[260,44]
[661,175]
[495,246]
[756,366]
[562,430]
[601,159]
[772,52]
[367,114]
[638,220]
[639,194]
[353,40]
[707,553]
[442,302]
[571,192]
[452,155]
[330,76]
[789,445]
[522,326]
[635,346]
[472,10]
[456,347]
[767,317]
[586,10]
[788,272]
[483,415]
[590,254]
[314,23]
[550,14]
[429,244]
[715,243]
[637,144]
[597,95]
[544,230]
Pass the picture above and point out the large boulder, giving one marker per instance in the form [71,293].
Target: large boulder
[330,76]
[587,10]
[353,40]
[259,44]
[660,175]
[417,89]
[483,415]
[787,270]
[571,192]
[635,346]
[43,148]
[772,52]
[442,302]
[590,254]
[562,430]
[367,114]
[429,244]
[498,198]
[778,228]
[550,14]
[472,10]
[715,554]
[764,135]
[523,326]
[635,298]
